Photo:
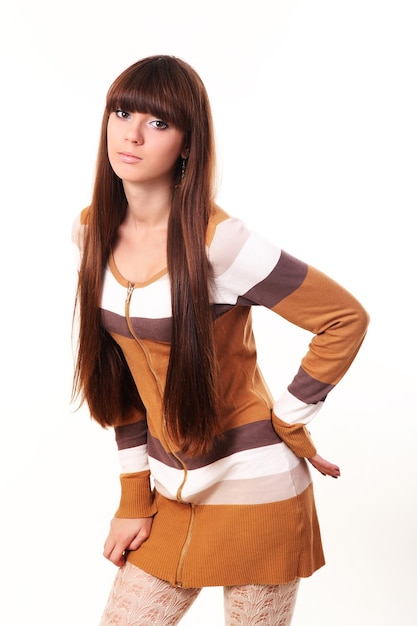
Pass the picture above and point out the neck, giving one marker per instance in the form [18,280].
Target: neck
[148,206]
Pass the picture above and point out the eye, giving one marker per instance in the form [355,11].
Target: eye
[124,115]
[159,124]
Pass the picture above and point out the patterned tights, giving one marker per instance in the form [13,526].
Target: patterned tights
[138,599]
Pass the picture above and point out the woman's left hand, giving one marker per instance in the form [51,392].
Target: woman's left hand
[324,467]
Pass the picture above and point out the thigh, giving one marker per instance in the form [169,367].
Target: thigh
[266,605]
[139,599]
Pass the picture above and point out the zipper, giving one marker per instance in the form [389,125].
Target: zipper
[130,290]
[178,582]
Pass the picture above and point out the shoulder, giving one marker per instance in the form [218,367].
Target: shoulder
[236,249]
[79,223]
[84,215]
[226,233]
[78,231]
[217,217]
[223,226]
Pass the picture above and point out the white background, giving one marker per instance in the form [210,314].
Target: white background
[315,112]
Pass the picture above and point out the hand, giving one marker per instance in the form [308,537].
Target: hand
[324,467]
[126,534]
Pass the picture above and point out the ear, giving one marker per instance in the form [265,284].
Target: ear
[185,152]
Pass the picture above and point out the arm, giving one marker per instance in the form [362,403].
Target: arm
[250,270]
[338,323]
[132,523]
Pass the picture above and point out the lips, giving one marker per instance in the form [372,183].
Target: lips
[128,157]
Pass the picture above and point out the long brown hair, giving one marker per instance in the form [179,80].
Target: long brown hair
[168,88]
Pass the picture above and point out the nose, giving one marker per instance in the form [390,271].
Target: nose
[134,132]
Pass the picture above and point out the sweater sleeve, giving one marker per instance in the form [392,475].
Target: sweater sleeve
[136,498]
[338,323]
[250,270]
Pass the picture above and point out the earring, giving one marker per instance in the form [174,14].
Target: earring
[183,165]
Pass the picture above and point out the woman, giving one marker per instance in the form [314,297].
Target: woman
[215,487]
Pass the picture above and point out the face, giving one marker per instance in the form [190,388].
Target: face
[143,148]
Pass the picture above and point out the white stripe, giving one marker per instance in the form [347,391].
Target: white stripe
[114,294]
[134,459]
[248,464]
[152,301]
[229,238]
[292,411]
[254,262]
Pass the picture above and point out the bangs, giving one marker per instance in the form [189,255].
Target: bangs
[154,88]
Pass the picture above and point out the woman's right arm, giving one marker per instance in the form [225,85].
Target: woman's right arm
[132,523]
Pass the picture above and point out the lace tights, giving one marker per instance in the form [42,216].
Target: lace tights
[138,599]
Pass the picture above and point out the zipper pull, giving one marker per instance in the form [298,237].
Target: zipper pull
[130,289]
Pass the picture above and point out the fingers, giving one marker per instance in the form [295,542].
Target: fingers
[114,553]
[117,553]
[334,472]
[330,469]
[125,535]
[325,467]
[137,541]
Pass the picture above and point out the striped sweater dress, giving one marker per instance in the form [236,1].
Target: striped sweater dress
[244,513]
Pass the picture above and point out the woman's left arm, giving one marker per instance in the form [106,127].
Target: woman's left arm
[338,323]
[251,270]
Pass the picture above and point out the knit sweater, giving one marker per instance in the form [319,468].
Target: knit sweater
[245,512]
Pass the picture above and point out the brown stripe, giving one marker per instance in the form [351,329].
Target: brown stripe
[246,437]
[131,435]
[286,277]
[114,323]
[145,328]
[308,389]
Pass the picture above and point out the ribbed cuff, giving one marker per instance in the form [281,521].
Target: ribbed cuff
[137,499]
[296,436]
